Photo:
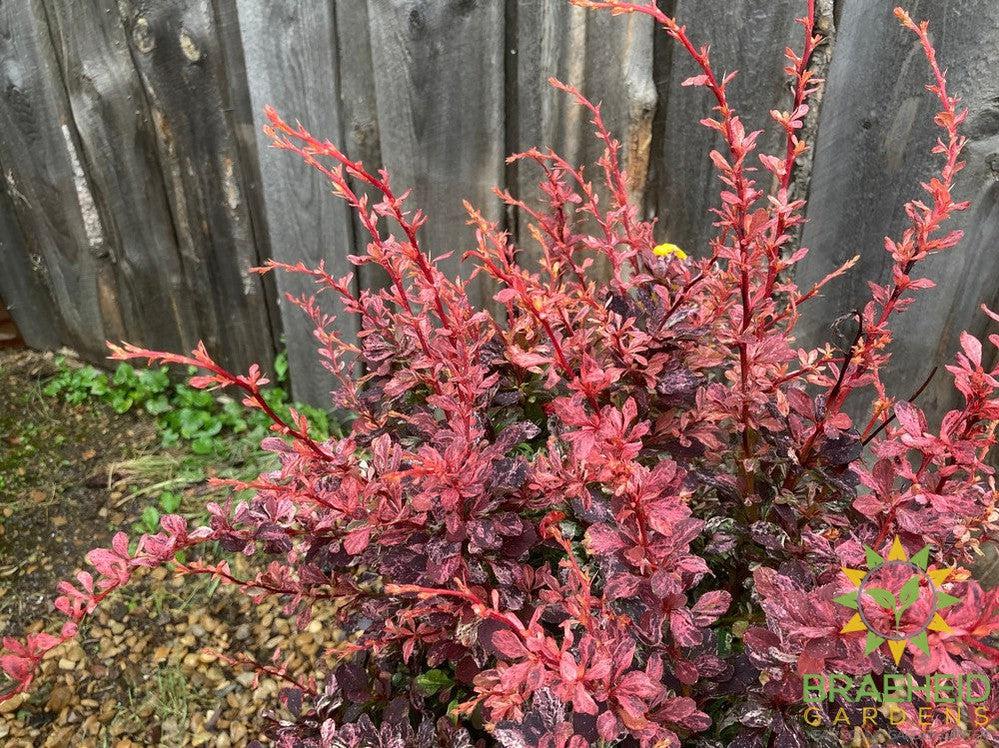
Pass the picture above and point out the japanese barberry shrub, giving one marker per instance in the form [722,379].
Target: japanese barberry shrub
[608,513]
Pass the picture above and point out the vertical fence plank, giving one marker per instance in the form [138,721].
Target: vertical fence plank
[550,41]
[359,108]
[745,36]
[23,288]
[875,133]
[291,63]
[610,59]
[359,113]
[175,46]
[244,123]
[618,75]
[119,153]
[439,84]
[54,201]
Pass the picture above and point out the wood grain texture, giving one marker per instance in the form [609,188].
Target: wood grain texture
[439,86]
[40,150]
[24,293]
[745,36]
[244,123]
[875,133]
[291,63]
[118,152]
[175,46]
[610,59]
[358,111]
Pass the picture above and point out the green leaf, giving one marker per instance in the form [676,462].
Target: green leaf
[76,397]
[170,502]
[154,381]
[922,642]
[191,422]
[873,642]
[125,374]
[882,597]
[188,397]
[157,405]
[433,681]
[945,601]
[907,596]
[212,426]
[849,600]
[921,558]
[874,559]
[202,445]
[121,403]
[150,519]
[281,366]
[452,710]
[725,643]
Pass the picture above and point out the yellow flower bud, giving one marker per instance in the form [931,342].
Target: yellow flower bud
[666,249]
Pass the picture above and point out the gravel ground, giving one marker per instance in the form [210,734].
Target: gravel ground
[145,670]
[152,675]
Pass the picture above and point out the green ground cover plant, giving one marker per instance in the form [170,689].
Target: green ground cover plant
[202,421]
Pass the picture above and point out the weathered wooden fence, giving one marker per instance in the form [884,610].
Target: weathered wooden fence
[137,188]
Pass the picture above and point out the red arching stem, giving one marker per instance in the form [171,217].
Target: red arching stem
[800,93]
[528,304]
[201,360]
[309,157]
[916,242]
[867,438]
[790,150]
[245,659]
[833,402]
[254,392]
[742,190]
[313,147]
[250,584]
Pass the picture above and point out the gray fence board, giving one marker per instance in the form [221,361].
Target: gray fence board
[359,109]
[619,75]
[439,85]
[291,63]
[244,122]
[40,150]
[875,133]
[609,59]
[23,288]
[550,41]
[745,36]
[118,154]
[175,46]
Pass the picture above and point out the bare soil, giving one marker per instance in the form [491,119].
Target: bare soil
[56,462]
[145,669]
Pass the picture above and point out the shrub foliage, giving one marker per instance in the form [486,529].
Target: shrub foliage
[600,512]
